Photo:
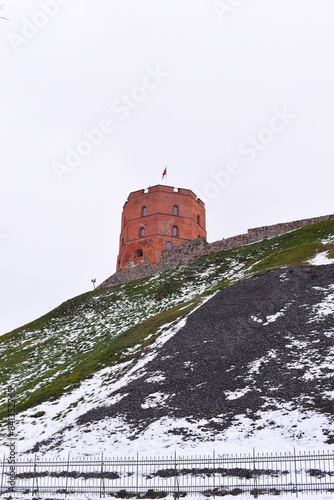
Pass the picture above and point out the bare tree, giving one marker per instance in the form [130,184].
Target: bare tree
[1,17]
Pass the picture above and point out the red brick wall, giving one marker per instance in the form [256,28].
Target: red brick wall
[158,223]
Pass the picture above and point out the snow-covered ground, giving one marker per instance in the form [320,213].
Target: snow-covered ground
[281,429]
[113,436]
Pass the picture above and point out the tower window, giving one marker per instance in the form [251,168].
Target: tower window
[141,232]
[175,210]
[168,245]
[144,211]
[198,219]
[138,253]
[124,221]
[175,231]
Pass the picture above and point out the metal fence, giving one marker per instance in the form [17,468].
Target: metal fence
[214,475]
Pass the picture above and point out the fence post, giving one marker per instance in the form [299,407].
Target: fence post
[137,474]
[102,479]
[35,476]
[68,469]
[176,482]
[255,476]
[329,463]
[295,462]
[214,472]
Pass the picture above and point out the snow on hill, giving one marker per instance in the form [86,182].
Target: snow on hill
[195,358]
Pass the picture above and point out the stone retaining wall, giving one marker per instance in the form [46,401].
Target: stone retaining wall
[191,250]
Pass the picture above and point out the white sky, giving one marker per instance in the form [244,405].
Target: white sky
[222,77]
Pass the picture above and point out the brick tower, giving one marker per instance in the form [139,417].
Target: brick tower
[156,219]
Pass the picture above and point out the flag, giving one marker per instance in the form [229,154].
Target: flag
[164,173]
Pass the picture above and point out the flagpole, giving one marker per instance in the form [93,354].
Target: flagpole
[164,174]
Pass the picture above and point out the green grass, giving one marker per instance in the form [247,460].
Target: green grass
[106,353]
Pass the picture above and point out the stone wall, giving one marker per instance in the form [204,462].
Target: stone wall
[191,250]
[264,232]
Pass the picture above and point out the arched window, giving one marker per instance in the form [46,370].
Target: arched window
[198,219]
[144,211]
[138,253]
[141,232]
[168,245]
[124,221]
[175,231]
[175,210]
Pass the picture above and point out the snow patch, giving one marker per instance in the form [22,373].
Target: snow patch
[256,319]
[155,399]
[237,394]
[328,240]
[321,259]
[155,378]
[326,306]
[255,366]
[273,317]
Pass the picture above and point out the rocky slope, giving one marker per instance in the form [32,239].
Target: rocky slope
[235,348]
[261,347]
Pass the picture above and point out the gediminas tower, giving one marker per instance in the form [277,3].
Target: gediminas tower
[157,219]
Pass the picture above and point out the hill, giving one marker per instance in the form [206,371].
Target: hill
[229,347]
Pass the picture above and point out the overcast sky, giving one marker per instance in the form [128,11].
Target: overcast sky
[235,97]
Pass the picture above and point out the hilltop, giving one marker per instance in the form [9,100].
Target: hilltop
[236,345]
